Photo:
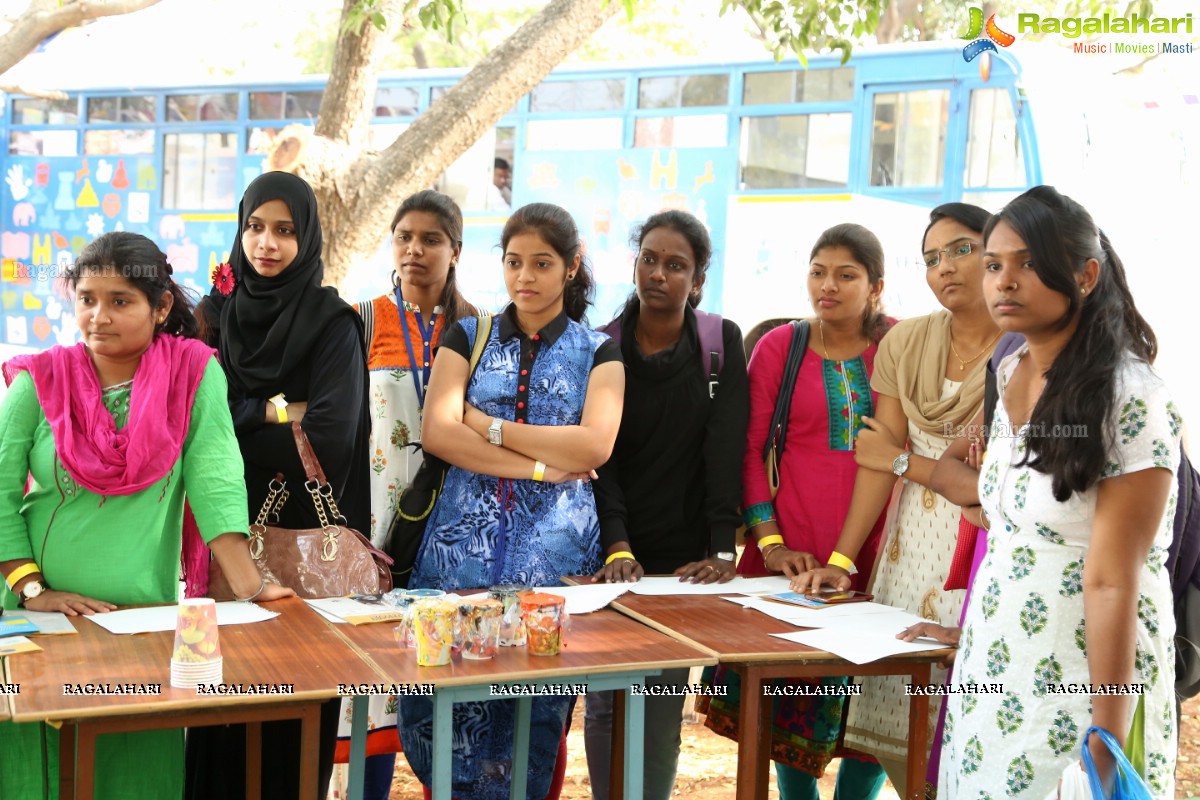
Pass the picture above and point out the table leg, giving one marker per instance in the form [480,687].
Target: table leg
[310,749]
[520,753]
[358,747]
[635,750]
[85,768]
[754,736]
[443,743]
[253,760]
[918,734]
[66,760]
[616,764]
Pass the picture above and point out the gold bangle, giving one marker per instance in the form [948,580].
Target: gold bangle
[539,471]
[23,571]
[767,541]
[619,554]
[836,559]
[983,517]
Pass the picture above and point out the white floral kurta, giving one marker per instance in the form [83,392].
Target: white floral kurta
[1025,630]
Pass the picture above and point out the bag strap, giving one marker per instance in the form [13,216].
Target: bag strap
[308,457]
[483,331]
[712,347]
[366,310]
[777,433]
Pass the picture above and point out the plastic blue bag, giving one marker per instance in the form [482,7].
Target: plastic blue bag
[1128,785]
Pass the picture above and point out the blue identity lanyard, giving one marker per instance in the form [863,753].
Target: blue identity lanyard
[426,339]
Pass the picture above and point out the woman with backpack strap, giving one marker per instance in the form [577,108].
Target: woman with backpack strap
[668,497]
[792,530]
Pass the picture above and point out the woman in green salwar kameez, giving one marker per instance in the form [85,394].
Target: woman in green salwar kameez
[100,445]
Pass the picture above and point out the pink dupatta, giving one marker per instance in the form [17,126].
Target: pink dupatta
[108,461]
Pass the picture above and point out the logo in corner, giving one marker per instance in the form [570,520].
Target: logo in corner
[980,43]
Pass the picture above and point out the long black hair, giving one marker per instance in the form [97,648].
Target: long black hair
[140,261]
[1081,384]
[557,228]
[864,246]
[449,216]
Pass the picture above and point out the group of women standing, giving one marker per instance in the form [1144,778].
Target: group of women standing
[573,452]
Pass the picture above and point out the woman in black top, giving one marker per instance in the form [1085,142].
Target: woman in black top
[292,350]
[668,497]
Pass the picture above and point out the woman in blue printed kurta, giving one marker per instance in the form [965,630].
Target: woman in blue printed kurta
[523,435]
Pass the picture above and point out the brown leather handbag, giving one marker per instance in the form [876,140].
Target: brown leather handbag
[331,561]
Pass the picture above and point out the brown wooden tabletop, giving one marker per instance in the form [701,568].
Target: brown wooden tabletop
[600,642]
[297,648]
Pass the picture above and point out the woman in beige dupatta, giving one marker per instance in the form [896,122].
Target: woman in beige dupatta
[929,374]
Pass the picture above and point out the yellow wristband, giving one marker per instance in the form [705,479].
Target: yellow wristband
[23,571]
[619,554]
[767,541]
[836,559]
[539,471]
[280,407]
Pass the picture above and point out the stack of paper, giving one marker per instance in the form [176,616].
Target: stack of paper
[856,645]
[355,612]
[739,585]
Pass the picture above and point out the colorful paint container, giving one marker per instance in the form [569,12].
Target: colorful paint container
[480,621]
[512,626]
[545,617]
[433,623]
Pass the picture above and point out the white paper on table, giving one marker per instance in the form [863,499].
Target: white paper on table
[355,611]
[739,585]
[588,597]
[820,617]
[50,623]
[162,618]
[857,646]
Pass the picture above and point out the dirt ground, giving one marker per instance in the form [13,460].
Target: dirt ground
[708,765]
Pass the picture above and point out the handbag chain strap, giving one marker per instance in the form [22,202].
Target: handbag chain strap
[270,508]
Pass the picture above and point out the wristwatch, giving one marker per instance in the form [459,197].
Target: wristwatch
[280,404]
[30,590]
[900,463]
[725,556]
[495,436]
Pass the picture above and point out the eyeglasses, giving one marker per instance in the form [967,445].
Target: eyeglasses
[957,250]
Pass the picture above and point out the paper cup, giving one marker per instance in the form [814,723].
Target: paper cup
[512,626]
[433,624]
[480,620]
[545,616]
[196,654]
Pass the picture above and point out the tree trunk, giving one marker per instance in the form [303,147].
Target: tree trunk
[358,190]
[44,18]
[349,99]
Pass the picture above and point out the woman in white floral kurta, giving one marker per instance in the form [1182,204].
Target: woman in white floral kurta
[1071,608]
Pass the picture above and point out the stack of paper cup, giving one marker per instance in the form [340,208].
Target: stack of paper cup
[196,657]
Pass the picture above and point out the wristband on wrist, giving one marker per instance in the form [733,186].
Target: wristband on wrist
[619,554]
[23,571]
[836,559]
[539,471]
[280,407]
[767,541]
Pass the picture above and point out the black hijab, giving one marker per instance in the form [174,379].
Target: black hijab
[269,325]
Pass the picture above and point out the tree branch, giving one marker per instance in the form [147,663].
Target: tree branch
[350,91]
[44,18]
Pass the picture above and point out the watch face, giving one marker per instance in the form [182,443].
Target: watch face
[32,589]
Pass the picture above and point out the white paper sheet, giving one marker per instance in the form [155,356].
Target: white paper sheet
[818,617]
[739,585]
[588,597]
[50,623]
[857,646]
[162,618]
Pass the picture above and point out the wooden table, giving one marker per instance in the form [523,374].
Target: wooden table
[257,653]
[739,638]
[605,650]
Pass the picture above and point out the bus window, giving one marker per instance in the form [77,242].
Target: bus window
[683,91]
[595,95]
[199,170]
[201,107]
[591,133]
[798,86]
[695,130]
[138,108]
[795,151]
[43,143]
[396,101]
[45,112]
[908,138]
[993,147]
[118,142]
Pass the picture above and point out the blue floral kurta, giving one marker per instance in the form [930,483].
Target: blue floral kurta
[1025,634]
[485,530]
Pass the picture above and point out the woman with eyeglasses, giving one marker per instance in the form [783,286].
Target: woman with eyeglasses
[929,375]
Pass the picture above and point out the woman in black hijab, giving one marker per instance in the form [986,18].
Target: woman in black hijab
[291,350]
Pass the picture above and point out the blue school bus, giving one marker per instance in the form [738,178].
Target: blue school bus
[766,154]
